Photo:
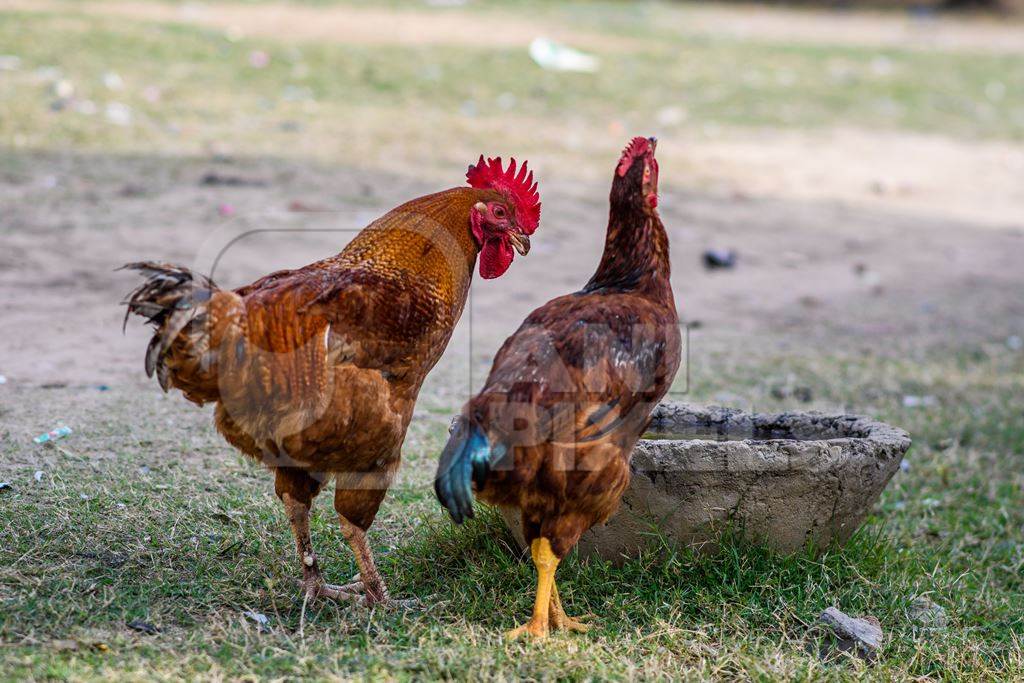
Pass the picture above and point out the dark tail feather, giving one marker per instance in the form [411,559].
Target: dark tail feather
[465,459]
[170,298]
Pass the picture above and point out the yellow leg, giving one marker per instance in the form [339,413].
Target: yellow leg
[559,620]
[546,564]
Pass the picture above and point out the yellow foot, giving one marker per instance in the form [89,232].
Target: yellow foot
[534,627]
[563,622]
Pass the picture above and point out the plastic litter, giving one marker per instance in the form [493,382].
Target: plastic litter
[911,401]
[118,114]
[259,59]
[260,619]
[557,57]
[53,435]
[4,485]
[113,81]
[39,475]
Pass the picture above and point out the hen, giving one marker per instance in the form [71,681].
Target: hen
[570,392]
[315,371]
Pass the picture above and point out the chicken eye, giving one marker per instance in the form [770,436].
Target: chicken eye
[498,211]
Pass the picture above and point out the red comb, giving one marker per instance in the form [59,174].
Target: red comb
[636,147]
[520,188]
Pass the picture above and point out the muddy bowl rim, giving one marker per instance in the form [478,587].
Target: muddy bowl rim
[844,430]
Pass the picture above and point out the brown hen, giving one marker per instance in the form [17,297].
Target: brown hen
[570,392]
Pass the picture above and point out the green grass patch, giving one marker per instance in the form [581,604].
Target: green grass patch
[122,527]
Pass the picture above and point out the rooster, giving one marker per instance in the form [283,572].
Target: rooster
[315,371]
[569,394]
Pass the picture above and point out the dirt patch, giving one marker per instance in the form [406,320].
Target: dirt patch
[809,272]
[341,24]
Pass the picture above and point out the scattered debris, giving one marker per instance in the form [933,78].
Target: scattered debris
[113,81]
[118,114]
[299,206]
[861,636]
[143,627]
[38,475]
[64,89]
[259,59]
[4,485]
[53,435]
[719,259]
[800,393]
[557,57]
[809,301]
[132,190]
[214,179]
[869,278]
[911,401]
[924,612]
[260,619]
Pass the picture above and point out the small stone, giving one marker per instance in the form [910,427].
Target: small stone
[926,613]
[308,559]
[143,627]
[862,636]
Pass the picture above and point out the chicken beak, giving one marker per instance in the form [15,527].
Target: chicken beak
[521,242]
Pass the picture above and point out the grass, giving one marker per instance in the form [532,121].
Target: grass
[122,528]
[329,100]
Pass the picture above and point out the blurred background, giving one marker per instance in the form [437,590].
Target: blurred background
[842,184]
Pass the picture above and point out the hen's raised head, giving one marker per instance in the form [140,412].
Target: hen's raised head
[506,221]
[636,175]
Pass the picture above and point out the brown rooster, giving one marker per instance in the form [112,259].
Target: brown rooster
[570,392]
[315,371]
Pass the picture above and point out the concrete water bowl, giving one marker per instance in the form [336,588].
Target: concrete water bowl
[790,480]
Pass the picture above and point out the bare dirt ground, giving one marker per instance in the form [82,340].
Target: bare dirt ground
[810,272]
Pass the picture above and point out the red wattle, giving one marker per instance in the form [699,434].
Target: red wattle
[495,258]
